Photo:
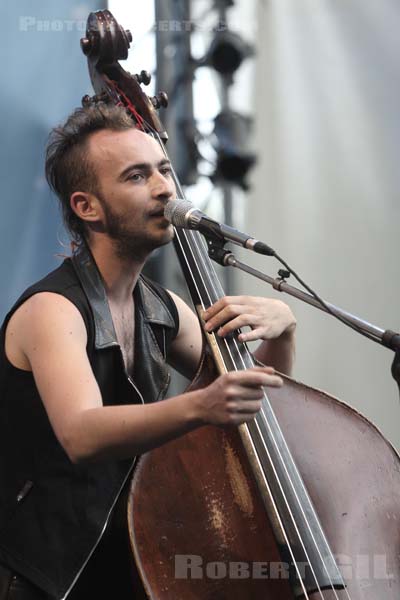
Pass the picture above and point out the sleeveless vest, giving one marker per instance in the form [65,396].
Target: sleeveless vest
[53,512]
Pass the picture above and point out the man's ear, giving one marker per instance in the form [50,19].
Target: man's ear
[86,206]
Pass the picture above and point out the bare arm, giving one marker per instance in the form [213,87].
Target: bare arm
[278,352]
[47,334]
[185,352]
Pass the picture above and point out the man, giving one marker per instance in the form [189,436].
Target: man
[83,361]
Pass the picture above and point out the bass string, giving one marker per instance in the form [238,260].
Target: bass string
[218,292]
[191,240]
[207,269]
[256,453]
[260,462]
[206,275]
[225,343]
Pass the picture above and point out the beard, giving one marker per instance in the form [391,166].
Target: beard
[129,242]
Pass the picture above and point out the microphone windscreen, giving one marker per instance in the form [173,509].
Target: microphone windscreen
[176,210]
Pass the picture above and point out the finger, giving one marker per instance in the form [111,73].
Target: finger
[223,316]
[223,303]
[239,418]
[255,373]
[268,381]
[217,307]
[255,334]
[237,392]
[244,407]
[256,376]
[274,381]
[245,320]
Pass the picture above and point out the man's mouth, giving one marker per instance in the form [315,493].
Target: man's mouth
[157,213]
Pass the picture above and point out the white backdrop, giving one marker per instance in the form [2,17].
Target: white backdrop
[326,191]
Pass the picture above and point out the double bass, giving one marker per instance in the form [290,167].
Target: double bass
[301,502]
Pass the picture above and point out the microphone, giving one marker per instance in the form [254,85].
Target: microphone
[182,213]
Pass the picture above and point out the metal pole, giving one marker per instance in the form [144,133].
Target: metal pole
[175,76]
[229,274]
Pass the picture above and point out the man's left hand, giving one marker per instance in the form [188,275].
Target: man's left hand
[268,318]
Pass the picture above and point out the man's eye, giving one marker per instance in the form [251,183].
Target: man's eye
[166,171]
[135,177]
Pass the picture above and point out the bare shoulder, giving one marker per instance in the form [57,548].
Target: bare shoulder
[188,320]
[187,347]
[183,309]
[47,336]
[41,319]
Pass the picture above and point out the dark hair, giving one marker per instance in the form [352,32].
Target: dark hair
[68,167]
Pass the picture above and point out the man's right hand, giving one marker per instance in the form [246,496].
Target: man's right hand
[235,397]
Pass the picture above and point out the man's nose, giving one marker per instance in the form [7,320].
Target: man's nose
[163,186]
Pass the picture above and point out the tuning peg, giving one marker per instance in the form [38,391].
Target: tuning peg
[86,45]
[128,34]
[88,100]
[160,100]
[144,77]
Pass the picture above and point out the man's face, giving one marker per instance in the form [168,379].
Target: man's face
[134,184]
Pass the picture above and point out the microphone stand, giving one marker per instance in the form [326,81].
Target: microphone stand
[386,337]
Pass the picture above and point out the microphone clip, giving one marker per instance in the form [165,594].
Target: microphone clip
[216,248]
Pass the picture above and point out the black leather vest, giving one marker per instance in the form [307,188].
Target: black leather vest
[52,512]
